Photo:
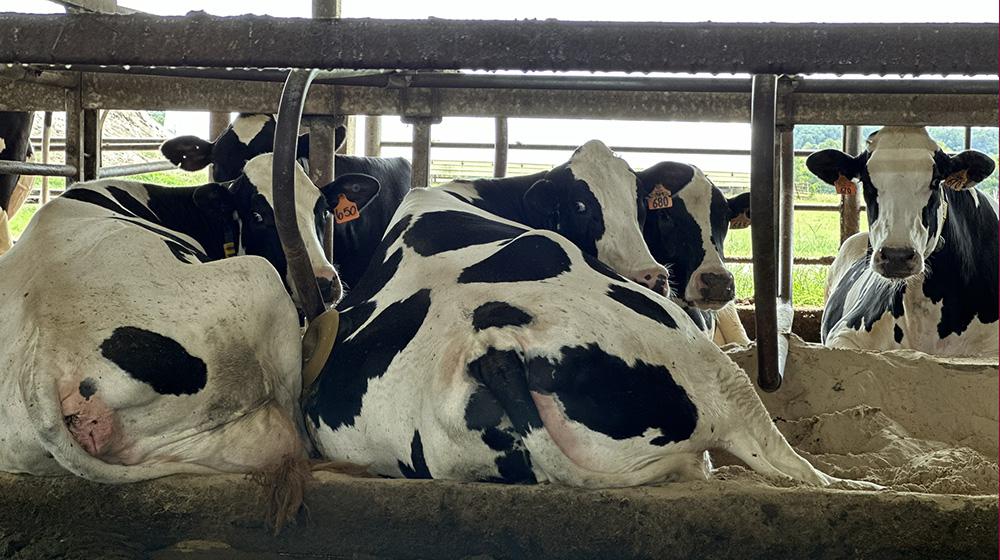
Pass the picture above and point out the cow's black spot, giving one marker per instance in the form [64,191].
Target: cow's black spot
[156,360]
[528,258]
[96,198]
[609,396]
[448,230]
[897,334]
[419,468]
[498,314]
[133,205]
[641,304]
[380,270]
[602,268]
[503,373]
[87,388]
[184,254]
[362,354]
[168,235]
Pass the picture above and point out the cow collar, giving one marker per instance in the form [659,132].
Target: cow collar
[230,236]
[317,344]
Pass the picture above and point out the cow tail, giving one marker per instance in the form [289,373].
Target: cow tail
[41,400]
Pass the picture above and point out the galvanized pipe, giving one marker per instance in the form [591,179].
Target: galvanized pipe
[570,148]
[134,169]
[322,165]
[437,44]
[968,138]
[850,204]
[46,148]
[8,167]
[501,144]
[762,211]
[373,136]
[286,135]
[91,145]
[74,136]
[786,242]
[421,159]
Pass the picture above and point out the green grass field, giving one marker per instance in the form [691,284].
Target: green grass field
[817,234]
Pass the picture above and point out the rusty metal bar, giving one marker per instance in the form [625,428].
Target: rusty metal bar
[283,177]
[762,211]
[438,44]
[500,148]
[40,169]
[850,204]
[322,164]
[134,169]
[373,136]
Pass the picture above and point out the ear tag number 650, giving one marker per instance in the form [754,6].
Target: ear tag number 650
[345,211]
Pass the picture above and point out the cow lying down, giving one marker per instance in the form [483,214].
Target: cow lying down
[477,349]
[133,349]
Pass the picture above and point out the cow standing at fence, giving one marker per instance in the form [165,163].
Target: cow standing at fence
[134,348]
[924,277]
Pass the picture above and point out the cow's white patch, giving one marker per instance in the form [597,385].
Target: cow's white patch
[247,127]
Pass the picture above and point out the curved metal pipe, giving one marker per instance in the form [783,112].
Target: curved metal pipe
[286,133]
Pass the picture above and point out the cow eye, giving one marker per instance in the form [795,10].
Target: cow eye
[580,207]
[258,218]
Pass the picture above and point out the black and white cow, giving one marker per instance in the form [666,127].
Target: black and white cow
[924,276]
[15,145]
[476,348]
[375,185]
[133,349]
[582,201]
[685,231]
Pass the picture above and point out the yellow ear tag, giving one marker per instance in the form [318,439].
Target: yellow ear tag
[843,185]
[345,211]
[957,180]
[659,198]
[229,249]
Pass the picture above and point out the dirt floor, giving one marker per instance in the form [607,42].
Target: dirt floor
[925,428]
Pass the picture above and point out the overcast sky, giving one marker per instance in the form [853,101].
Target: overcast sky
[573,132]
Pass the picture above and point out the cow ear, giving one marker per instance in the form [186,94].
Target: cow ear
[540,201]
[359,188]
[670,174]
[190,153]
[966,169]
[830,165]
[739,211]
[339,137]
[214,199]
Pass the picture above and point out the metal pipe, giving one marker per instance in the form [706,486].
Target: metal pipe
[91,145]
[762,212]
[134,169]
[326,8]
[8,167]
[850,204]
[322,165]
[421,159]
[528,45]
[74,136]
[968,138]
[500,148]
[373,136]
[46,147]
[786,243]
[286,134]
[570,148]
[797,260]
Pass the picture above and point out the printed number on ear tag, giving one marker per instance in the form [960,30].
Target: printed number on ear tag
[659,198]
[345,211]
[843,185]
[957,180]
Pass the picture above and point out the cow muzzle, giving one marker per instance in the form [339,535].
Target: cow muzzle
[897,262]
[656,279]
[711,289]
[329,285]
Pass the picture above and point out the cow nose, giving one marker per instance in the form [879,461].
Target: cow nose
[717,287]
[896,262]
[326,289]
[655,279]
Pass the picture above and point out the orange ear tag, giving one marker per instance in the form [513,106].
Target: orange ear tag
[957,180]
[843,185]
[659,198]
[345,211]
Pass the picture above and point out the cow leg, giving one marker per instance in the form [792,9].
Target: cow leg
[729,328]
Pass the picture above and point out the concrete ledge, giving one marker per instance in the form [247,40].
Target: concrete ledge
[374,518]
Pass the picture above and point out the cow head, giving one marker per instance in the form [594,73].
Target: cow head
[251,198]
[591,200]
[905,179]
[686,224]
[248,136]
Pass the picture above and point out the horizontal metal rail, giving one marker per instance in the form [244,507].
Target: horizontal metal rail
[570,148]
[438,44]
[828,260]
[137,147]
[134,169]
[8,167]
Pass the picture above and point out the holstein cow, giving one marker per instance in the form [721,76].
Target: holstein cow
[15,145]
[925,275]
[133,349]
[380,182]
[476,348]
[687,220]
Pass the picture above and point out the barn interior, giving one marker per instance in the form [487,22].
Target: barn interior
[924,427]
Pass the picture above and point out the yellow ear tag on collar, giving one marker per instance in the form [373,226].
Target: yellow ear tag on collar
[345,211]
[229,249]
[843,185]
[957,181]
[660,198]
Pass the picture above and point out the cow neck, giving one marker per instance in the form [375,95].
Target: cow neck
[966,257]
[505,197]
[176,210]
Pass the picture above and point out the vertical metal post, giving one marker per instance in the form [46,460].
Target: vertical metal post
[373,136]
[218,122]
[421,150]
[850,204]
[785,313]
[322,166]
[968,138]
[326,8]
[46,143]
[762,212]
[74,135]
[91,144]
[501,146]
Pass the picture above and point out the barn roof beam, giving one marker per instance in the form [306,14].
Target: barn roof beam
[260,41]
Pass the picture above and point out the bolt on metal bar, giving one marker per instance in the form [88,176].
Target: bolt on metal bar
[500,144]
[762,212]
[286,135]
